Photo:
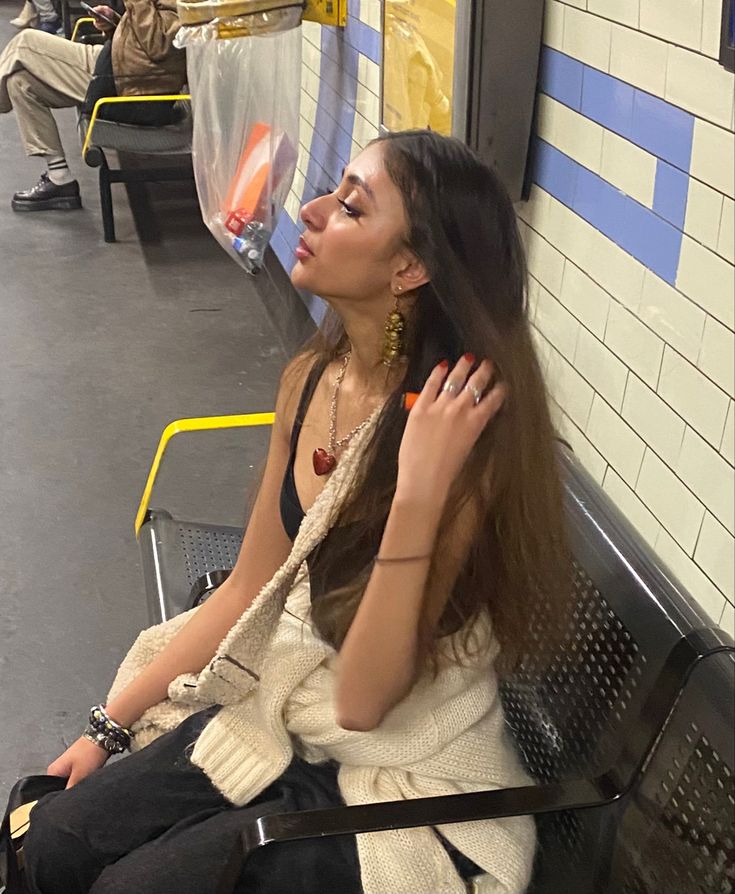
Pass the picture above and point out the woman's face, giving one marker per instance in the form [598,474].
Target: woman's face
[352,247]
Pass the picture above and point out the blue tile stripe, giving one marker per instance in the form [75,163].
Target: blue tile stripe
[331,142]
[655,125]
[651,235]
[638,230]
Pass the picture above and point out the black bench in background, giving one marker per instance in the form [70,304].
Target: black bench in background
[628,732]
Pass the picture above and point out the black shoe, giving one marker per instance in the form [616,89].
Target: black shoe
[47,196]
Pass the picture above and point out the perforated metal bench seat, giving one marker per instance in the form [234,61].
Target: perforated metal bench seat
[177,555]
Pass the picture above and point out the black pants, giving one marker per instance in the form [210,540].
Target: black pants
[153,823]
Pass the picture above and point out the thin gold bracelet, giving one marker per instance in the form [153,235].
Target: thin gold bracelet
[401,559]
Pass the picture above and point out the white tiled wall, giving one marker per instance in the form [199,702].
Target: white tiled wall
[643,371]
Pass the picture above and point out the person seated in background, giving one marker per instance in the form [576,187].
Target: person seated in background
[39,14]
[40,72]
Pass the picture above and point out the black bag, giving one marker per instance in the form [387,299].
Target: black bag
[16,822]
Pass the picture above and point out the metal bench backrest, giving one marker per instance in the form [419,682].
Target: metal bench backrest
[569,715]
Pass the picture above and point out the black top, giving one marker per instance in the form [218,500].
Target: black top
[292,512]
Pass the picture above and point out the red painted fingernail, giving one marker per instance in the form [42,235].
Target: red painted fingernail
[470,358]
[444,364]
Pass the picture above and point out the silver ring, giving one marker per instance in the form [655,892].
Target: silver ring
[450,388]
[476,393]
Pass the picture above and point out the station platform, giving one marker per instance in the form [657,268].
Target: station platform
[100,347]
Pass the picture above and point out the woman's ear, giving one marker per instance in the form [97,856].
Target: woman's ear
[411,275]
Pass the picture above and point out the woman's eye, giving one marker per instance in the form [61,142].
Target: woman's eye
[349,210]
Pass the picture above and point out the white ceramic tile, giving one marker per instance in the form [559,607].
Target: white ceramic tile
[310,82]
[367,104]
[700,85]
[707,279]
[727,619]
[727,447]
[543,350]
[545,262]
[363,130]
[587,38]
[709,477]
[671,315]
[703,214]
[312,31]
[569,389]
[585,299]
[713,157]
[614,269]
[601,368]
[715,554]
[591,459]
[726,241]
[308,109]
[694,397]
[557,324]
[676,507]
[625,499]
[310,55]
[679,21]
[533,212]
[653,420]
[554,24]
[615,440]
[639,59]
[717,357]
[624,11]
[711,27]
[634,343]
[630,168]
[568,232]
[580,4]
[374,14]
[571,133]
[368,73]
[690,576]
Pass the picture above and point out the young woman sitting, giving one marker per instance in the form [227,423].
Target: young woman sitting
[385,581]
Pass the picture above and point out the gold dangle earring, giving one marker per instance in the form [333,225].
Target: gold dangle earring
[393,341]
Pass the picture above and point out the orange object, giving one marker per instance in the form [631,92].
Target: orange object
[267,157]
[409,399]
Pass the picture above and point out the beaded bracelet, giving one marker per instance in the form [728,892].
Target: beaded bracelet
[103,731]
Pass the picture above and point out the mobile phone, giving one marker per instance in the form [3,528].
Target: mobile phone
[97,15]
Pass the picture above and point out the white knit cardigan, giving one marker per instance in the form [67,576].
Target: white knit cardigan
[275,678]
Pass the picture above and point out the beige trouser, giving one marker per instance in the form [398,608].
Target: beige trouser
[40,72]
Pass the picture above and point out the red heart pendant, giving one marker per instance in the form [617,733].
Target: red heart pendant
[323,462]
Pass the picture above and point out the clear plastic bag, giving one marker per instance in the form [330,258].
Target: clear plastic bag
[244,75]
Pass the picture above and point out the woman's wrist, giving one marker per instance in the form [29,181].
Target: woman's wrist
[412,526]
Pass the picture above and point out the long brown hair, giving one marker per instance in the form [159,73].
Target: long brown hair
[463,228]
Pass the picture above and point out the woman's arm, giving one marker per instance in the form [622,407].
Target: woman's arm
[264,549]
[378,661]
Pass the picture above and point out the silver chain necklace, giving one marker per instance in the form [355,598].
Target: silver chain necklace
[325,460]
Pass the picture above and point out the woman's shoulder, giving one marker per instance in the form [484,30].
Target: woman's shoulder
[291,385]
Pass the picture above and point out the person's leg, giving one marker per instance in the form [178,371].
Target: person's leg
[193,855]
[75,834]
[40,72]
[49,20]
[27,18]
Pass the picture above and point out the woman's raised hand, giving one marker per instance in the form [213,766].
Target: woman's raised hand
[443,426]
[79,760]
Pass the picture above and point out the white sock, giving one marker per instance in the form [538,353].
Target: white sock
[58,170]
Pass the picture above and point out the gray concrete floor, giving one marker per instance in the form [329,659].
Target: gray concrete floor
[100,346]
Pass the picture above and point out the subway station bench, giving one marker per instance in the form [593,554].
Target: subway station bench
[98,135]
[628,733]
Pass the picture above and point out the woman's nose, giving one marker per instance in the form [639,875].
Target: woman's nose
[313,213]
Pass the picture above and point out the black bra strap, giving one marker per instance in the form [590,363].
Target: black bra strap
[312,380]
